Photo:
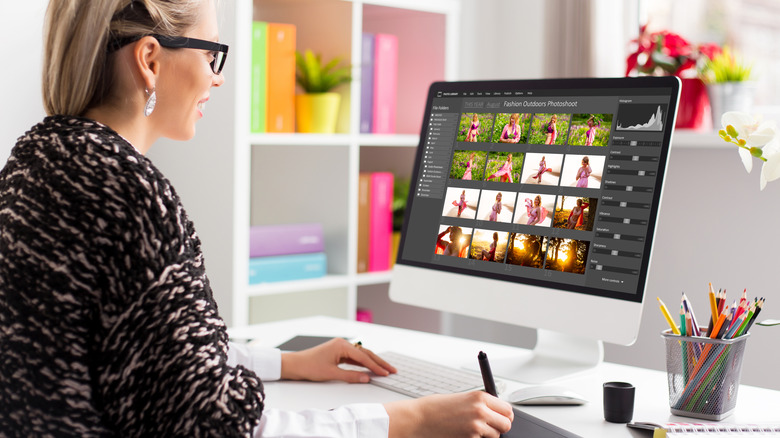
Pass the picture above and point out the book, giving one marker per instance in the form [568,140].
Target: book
[270,240]
[281,78]
[385,83]
[364,193]
[367,83]
[380,221]
[671,430]
[287,267]
[259,86]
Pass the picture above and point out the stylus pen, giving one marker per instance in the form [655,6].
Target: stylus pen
[487,375]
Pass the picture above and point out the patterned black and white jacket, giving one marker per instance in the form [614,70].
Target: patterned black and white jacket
[108,326]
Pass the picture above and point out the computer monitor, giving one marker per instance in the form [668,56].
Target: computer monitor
[535,203]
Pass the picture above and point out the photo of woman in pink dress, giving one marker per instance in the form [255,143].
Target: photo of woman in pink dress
[590,134]
[505,172]
[473,129]
[552,130]
[583,173]
[536,213]
[512,130]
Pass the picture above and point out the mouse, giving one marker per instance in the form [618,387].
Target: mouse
[545,395]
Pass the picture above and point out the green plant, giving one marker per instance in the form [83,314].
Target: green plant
[316,77]
[400,195]
[725,67]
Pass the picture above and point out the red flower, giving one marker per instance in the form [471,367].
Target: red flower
[665,53]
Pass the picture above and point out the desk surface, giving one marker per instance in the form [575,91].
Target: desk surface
[754,405]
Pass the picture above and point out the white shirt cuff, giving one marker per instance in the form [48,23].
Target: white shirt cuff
[350,421]
[265,362]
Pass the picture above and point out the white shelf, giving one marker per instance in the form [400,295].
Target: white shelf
[322,283]
[370,278]
[282,287]
[688,138]
[395,140]
[399,140]
[286,178]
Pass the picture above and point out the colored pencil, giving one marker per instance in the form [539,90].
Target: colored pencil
[668,316]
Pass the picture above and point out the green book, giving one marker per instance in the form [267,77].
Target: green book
[259,76]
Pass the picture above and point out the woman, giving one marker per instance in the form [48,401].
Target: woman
[504,174]
[536,213]
[542,169]
[469,165]
[590,134]
[583,172]
[576,214]
[109,322]
[490,253]
[473,133]
[512,131]
[552,130]
[496,209]
[462,204]
[453,247]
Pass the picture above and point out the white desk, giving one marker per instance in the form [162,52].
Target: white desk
[754,405]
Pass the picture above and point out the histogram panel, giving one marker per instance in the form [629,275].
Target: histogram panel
[641,117]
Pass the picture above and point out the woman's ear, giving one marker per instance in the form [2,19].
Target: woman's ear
[146,57]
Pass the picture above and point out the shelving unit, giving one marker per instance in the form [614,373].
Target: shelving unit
[230,179]
[263,179]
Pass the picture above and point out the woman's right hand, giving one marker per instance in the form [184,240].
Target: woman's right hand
[472,414]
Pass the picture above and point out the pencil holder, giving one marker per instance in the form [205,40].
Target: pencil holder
[703,374]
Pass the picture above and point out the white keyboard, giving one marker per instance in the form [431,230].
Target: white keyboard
[418,378]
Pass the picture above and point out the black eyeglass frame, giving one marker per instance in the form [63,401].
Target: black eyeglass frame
[177,42]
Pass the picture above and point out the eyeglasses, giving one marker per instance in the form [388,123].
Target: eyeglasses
[218,51]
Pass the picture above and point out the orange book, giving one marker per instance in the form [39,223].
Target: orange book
[364,214]
[281,78]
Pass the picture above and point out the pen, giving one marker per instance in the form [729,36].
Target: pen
[487,375]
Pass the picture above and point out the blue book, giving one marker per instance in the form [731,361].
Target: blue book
[287,267]
[367,84]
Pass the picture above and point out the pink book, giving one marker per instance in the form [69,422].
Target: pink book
[385,83]
[380,221]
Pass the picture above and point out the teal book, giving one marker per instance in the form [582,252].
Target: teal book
[287,267]
[259,89]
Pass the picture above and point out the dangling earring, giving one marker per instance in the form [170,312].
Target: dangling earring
[150,103]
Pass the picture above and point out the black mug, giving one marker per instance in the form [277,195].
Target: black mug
[618,402]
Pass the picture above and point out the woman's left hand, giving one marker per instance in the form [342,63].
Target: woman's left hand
[320,363]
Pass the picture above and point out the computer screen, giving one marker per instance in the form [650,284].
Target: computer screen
[535,203]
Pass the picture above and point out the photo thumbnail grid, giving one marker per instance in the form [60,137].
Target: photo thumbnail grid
[576,129]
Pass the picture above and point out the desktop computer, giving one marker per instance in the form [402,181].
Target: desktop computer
[534,203]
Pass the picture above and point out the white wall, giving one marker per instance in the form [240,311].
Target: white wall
[21,30]
[500,39]
[715,225]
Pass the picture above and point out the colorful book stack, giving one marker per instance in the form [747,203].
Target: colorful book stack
[273,77]
[286,252]
[375,221]
[379,83]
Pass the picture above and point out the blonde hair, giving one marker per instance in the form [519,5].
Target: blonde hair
[77,63]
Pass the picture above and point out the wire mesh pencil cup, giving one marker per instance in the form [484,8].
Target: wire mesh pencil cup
[703,374]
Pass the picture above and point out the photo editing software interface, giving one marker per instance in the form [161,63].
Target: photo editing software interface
[555,188]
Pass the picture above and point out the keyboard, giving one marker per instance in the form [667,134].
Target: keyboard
[418,378]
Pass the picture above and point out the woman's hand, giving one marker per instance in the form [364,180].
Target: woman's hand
[320,363]
[473,414]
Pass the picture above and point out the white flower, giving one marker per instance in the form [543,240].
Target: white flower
[755,138]
[770,171]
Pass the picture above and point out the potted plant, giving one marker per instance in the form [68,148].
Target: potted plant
[728,84]
[318,108]
[665,53]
